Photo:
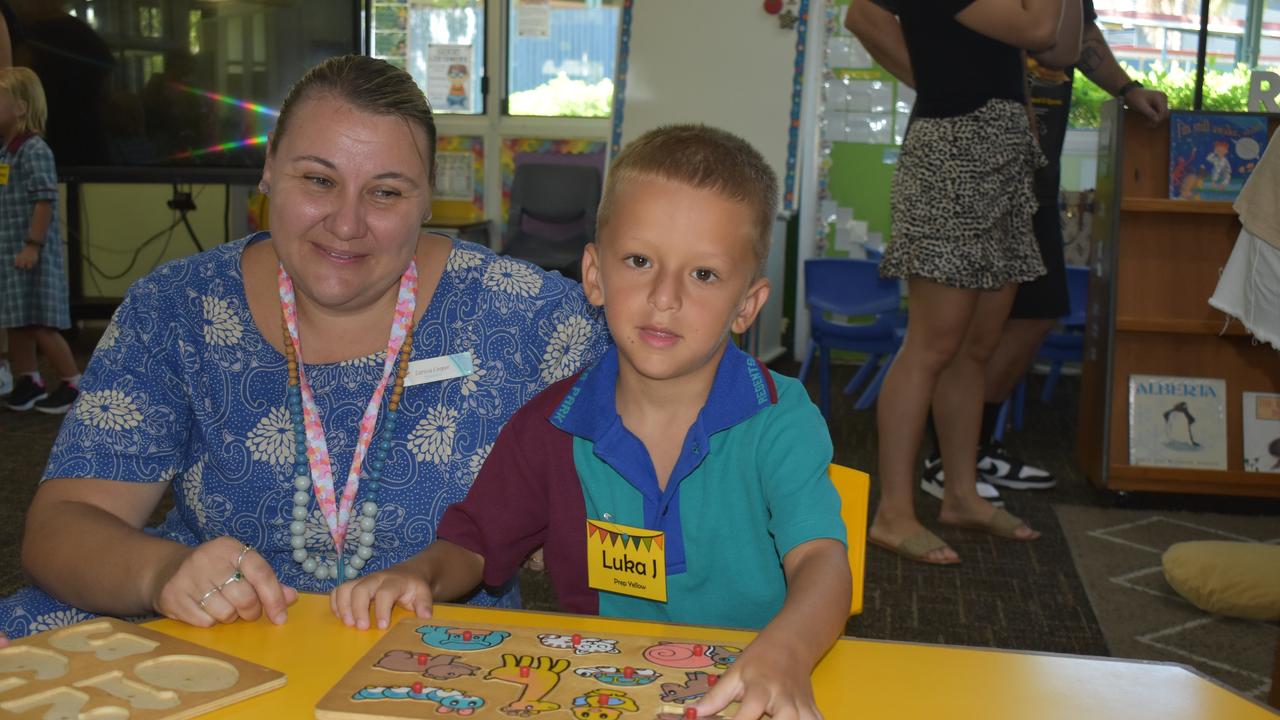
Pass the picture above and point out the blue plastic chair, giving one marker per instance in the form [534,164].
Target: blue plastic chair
[1065,344]
[852,288]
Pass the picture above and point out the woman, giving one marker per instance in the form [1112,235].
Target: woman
[346,349]
[962,204]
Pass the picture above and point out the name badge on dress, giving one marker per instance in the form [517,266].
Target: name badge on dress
[4,173]
[627,560]
[445,367]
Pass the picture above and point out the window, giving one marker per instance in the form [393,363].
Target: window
[560,57]
[440,43]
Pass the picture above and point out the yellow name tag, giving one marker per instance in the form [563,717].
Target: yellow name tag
[4,173]
[626,560]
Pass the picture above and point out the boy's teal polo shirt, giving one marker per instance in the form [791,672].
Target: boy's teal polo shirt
[749,485]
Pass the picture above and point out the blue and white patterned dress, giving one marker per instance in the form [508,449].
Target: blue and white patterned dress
[38,296]
[183,388]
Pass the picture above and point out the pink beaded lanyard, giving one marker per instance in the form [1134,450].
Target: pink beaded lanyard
[336,515]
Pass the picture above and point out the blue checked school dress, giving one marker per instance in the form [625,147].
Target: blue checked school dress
[37,296]
[183,388]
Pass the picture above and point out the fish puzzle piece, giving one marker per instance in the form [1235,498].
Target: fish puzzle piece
[462,639]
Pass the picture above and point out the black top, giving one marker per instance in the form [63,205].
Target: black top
[1051,98]
[956,69]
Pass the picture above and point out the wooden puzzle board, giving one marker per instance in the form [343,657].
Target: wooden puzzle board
[426,668]
[108,669]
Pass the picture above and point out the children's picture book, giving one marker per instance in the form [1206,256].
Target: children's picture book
[1262,432]
[1211,155]
[1177,422]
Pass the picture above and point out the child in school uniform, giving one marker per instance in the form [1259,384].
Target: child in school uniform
[713,466]
[34,301]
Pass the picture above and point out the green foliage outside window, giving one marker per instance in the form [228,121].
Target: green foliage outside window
[1223,90]
[562,97]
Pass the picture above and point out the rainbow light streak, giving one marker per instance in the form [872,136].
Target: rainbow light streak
[223,147]
[219,97]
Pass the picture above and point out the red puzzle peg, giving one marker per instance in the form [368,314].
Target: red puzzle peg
[422,659]
[628,672]
[604,699]
[690,713]
[712,680]
[524,671]
[417,688]
[466,636]
[698,650]
[576,640]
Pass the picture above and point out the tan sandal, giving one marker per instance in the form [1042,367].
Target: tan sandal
[917,547]
[1002,523]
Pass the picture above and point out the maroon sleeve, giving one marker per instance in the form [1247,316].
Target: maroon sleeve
[507,513]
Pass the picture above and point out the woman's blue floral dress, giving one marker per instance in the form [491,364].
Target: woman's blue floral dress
[183,388]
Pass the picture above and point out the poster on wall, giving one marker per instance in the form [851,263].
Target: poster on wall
[455,176]
[1261,432]
[1177,422]
[449,77]
[534,18]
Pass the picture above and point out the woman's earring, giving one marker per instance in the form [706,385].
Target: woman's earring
[263,187]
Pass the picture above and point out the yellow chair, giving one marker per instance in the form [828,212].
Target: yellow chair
[854,486]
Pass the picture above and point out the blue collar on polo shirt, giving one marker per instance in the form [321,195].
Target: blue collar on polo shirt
[741,388]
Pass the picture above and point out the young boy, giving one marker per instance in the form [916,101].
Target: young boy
[674,433]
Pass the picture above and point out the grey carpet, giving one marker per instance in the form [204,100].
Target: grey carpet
[1117,553]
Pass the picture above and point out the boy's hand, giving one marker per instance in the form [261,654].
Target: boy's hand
[763,681]
[397,585]
[27,257]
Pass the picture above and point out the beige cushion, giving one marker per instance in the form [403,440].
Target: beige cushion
[1228,578]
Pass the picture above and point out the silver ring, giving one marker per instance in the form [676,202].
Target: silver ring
[235,577]
[205,598]
[240,558]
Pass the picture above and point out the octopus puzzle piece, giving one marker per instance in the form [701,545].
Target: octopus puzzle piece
[625,677]
[436,667]
[450,701]
[602,705]
[461,639]
[691,656]
[696,684]
[578,644]
[539,676]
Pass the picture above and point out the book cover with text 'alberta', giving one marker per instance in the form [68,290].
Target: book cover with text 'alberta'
[1211,155]
[1177,422]
[1261,432]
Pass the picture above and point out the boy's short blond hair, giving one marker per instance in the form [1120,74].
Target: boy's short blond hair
[23,84]
[701,157]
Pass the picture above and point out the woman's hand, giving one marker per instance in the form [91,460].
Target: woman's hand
[222,580]
[28,257]
[397,585]
[764,681]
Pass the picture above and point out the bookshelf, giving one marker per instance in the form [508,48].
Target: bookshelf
[1155,263]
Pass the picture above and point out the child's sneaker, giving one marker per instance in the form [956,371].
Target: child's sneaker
[932,482]
[997,468]
[26,392]
[59,401]
[6,382]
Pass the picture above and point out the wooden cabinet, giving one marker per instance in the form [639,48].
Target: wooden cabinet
[1155,263]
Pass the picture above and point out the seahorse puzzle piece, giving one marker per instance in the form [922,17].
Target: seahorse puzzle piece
[461,639]
[539,676]
[696,685]
[621,677]
[578,644]
[449,700]
[436,667]
[602,705]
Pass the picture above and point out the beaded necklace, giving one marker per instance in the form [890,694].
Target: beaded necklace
[316,473]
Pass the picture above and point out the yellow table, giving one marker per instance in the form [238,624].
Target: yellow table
[859,679]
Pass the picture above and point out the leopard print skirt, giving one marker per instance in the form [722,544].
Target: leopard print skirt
[962,200]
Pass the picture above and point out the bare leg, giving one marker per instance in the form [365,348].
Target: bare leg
[957,410]
[936,328]
[55,347]
[22,350]
[1013,356]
